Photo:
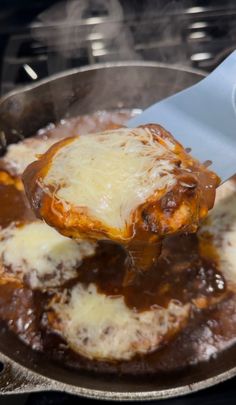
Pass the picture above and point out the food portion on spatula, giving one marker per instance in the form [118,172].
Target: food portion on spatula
[136,186]
[131,186]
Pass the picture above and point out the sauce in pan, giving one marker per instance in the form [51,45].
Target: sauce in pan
[188,272]
[14,206]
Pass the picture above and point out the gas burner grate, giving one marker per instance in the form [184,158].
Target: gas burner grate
[197,34]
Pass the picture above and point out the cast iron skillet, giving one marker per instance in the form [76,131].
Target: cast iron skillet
[127,85]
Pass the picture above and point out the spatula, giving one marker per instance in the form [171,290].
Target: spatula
[203,118]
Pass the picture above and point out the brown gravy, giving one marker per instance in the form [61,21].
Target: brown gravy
[180,273]
[184,272]
[14,206]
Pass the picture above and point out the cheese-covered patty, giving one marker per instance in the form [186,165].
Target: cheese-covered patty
[111,174]
[103,328]
[121,184]
[20,155]
[38,255]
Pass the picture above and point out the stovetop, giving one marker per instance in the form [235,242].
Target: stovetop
[39,38]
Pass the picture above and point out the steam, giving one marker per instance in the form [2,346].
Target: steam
[91,27]
[102,30]
[82,28]
[82,32]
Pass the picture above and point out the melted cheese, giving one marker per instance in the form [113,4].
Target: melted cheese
[112,173]
[102,327]
[221,225]
[38,253]
[20,155]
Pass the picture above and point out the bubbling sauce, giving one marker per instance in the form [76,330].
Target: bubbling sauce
[185,272]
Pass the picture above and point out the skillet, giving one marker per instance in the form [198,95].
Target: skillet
[22,113]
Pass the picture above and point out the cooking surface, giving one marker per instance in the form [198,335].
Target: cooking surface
[188,271]
[182,351]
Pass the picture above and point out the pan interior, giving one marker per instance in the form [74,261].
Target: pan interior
[83,92]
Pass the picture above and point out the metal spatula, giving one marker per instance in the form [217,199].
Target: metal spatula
[203,118]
